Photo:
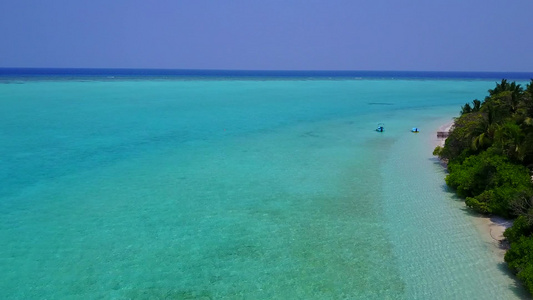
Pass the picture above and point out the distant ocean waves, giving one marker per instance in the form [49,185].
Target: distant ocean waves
[76,73]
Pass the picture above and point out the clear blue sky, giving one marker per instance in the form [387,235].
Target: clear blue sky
[453,35]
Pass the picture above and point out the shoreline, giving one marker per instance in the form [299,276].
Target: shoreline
[491,228]
[443,128]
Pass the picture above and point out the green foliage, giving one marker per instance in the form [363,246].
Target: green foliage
[482,202]
[489,182]
[509,139]
[477,105]
[437,151]
[466,109]
[468,178]
[460,139]
[520,228]
[505,86]
[526,275]
[520,259]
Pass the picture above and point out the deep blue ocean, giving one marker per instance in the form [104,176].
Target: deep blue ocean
[48,73]
[187,184]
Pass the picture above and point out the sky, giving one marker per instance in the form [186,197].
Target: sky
[416,35]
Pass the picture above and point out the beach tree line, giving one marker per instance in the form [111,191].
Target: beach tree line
[489,153]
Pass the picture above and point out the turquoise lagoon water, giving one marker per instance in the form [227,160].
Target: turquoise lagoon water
[235,189]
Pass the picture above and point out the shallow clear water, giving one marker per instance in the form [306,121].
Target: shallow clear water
[273,189]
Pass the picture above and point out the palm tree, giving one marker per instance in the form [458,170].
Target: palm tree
[505,86]
[482,135]
[526,104]
[477,105]
[507,93]
[466,109]
[510,139]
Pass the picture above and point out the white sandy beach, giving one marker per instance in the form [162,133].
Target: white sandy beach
[491,229]
[444,128]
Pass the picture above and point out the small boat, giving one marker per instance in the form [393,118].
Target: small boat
[381,127]
[415,130]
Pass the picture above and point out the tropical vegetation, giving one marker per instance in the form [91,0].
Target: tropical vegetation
[490,161]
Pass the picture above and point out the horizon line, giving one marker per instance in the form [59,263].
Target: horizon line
[249,70]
